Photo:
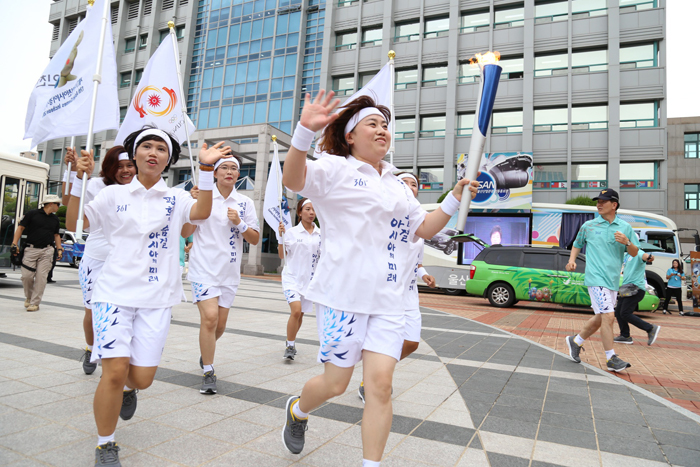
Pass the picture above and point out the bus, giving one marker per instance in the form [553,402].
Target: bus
[22,187]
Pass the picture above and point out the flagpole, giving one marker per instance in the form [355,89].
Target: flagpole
[183,104]
[392,149]
[275,147]
[97,79]
[72,144]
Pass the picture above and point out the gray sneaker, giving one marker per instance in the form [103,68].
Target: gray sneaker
[574,349]
[361,391]
[616,364]
[623,340]
[128,404]
[208,383]
[290,352]
[88,367]
[653,334]
[107,454]
[294,429]
[201,363]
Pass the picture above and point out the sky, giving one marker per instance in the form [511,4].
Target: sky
[25,35]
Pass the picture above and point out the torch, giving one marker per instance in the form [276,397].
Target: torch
[490,75]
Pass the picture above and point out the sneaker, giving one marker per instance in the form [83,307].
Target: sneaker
[33,308]
[107,454]
[208,383]
[201,363]
[623,340]
[26,303]
[653,334]
[128,404]
[290,352]
[361,391]
[616,364]
[88,367]
[294,429]
[574,349]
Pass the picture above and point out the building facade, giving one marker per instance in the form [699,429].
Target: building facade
[684,174]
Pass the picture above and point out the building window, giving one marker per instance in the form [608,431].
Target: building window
[588,8]
[465,124]
[639,56]
[40,156]
[125,81]
[343,3]
[371,37]
[548,12]
[405,128]
[512,68]
[474,21]
[692,145]
[180,32]
[692,197]
[344,86]
[589,117]
[122,113]
[633,5]
[507,121]
[551,119]
[509,18]
[137,77]
[639,115]
[550,176]
[406,79]
[57,153]
[589,61]
[434,76]
[129,45]
[365,78]
[407,32]
[97,150]
[469,73]
[183,175]
[143,41]
[589,176]
[431,179]
[432,127]
[638,175]
[552,64]
[346,41]
[163,34]
[437,27]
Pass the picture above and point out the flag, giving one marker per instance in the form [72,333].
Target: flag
[60,104]
[157,99]
[273,195]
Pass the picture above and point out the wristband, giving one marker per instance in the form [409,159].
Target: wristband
[77,188]
[422,272]
[66,176]
[73,176]
[206,180]
[242,227]
[302,138]
[450,205]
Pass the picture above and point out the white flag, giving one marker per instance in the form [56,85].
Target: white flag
[157,99]
[60,104]
[273,195]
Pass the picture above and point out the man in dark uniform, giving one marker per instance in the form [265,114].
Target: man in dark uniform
[42,227]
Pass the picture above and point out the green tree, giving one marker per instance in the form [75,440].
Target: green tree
[581,201]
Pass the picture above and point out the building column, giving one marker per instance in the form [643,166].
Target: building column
[262,160]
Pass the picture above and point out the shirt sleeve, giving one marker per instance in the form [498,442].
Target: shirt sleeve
[632,235]
[251,217]
[320,176]
[416,216]
[27,219]
[185,203]
[581,236]
[97,209]
[57,230]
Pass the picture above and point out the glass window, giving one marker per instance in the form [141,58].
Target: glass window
[465,124]
[406,79]
[586,8]
[551,119]
[346,41]
[692,197]
[469,73]
[431,178]
[509,18]
[503,257]
[589,61]
[638,56]
[31,196]
[180,32]
[125,81]
[638,115]
[508,121]
[536,260]
[632,5]
[548,65]
[432,127]
[57,156]
[143,41]
[164,33]
[371,37]
[593,176]
[435,76]
[122,114]
[437,27]
[551,11]
[137,77]
[638,175]
[405,127]
[129,45]
[344,86]
[474,21]
[589,117]
[550,176]
[512,68]
[407,32]
[692,145]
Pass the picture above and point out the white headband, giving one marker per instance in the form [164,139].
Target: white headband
[124,156]
[359,116]
[305,202]
[226,159]
[155,132]
[408,175]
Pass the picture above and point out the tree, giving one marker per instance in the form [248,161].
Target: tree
[582,201]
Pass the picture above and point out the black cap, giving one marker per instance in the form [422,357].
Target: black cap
[608,194]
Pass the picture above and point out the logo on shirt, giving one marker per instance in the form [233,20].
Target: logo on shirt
[122,207]
[360,182]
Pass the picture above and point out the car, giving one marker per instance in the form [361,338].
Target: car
[443,241]
[507,274]
[72,249]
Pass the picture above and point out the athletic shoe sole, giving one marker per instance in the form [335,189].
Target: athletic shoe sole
[359,393]
[289,401]
[656,334]
[624,342]
[568,344]
[207,391]
[619,369]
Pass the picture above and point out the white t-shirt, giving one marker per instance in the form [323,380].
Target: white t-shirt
[411,295]
[143,228]
[302,250]
[367,222]
[217,246]
[96,247]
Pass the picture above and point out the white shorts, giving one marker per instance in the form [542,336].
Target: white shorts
[226,293]
[294,296]
[602,299]
[88,272]
[343,336]
[413,324]
[137,333]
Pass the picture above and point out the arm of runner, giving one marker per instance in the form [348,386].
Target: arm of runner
[438,219]
[571,265]
[59,247]
[18,235]
[207,155]
[72,159]
[187,230]
[84,164]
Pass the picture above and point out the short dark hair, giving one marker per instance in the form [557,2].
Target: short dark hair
[131,149]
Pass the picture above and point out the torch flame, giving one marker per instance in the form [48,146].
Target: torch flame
[489,58]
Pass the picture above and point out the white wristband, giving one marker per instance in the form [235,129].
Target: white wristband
[302,138]
[73,176]
[242,227]
[449,205]
[77,188]
[422,272]
[206,181]
[66,176]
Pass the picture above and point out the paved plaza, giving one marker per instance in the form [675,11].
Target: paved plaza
[472,395]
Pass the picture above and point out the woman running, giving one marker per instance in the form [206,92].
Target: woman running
[368,217]
[140,281]
[301,252]
[215,260]
[675,277]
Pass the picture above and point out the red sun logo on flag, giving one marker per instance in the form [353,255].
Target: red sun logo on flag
[154,101]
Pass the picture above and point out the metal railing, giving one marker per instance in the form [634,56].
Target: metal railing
[346,46]
[638,123]
[502,130]
[433,82]
[469,79]
[371,43]
[638,6]
[464,131]
[509,24]
[432,133]
[466,29]
[407,38]
[442,33]
[406,135]
[410,85]
[590,13]
[589,126]
[552,71]
[637,64]
[551,127]
[343,92]
[551,18]
[589,68]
